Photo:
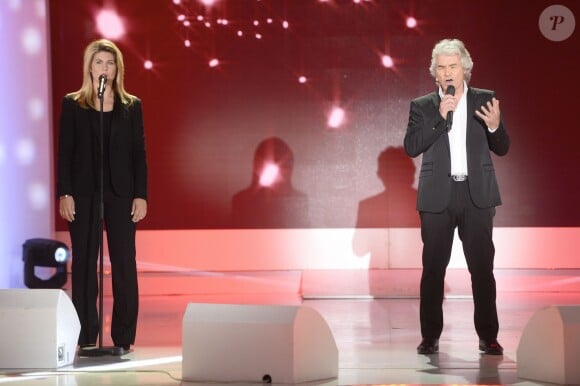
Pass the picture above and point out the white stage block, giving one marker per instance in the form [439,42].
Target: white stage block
[249,343]
[550,346]
[39,329]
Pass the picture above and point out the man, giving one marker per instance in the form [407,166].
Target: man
[454,129]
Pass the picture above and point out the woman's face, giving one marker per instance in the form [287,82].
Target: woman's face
[103,63]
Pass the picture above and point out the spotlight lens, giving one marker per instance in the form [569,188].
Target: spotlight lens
[60,255]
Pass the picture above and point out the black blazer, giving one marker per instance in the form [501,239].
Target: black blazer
[79,155]
[427,134]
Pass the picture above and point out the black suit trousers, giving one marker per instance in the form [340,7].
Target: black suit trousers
[120,232]
[475,226]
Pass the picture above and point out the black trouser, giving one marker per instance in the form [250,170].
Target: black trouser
[85,235]
[475,227]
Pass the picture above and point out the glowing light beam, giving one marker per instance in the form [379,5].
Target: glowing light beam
[336,118]
[110,24]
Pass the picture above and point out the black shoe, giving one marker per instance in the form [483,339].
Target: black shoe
[126,347]
[428,346]
[490,347]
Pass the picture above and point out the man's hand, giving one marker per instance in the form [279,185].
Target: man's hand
[490,114]
[138,209]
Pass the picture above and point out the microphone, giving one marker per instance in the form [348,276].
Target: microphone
[103,82]
[449,121]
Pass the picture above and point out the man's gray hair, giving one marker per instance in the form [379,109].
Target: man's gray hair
[452,47]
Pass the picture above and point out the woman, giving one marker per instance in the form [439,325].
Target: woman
[124,171]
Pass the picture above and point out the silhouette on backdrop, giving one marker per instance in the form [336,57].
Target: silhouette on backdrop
[394,206]
[271,201]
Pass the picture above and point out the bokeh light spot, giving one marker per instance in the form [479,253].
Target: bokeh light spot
[387,61]
[269,174]
[110,25]
[31,41]
[336,117]
[35,109]
[411,22]
[25,151]
[38,196]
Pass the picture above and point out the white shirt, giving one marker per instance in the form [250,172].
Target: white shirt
[458,135]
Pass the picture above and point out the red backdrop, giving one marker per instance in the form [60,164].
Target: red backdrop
[203,124]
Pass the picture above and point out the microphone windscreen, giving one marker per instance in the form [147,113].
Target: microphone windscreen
[450,90]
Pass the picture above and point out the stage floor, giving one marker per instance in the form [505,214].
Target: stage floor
[376,340]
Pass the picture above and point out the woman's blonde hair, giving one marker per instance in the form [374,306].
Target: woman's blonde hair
[85,95]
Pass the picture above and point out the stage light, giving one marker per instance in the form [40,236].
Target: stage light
[110,24]
[208,3]
[387,61]
[411,22]
[61,255]
[31,40]
[45,253]
[148,64]
[336,117]
[302,79]
[25,151]
[214,63]
[269,174]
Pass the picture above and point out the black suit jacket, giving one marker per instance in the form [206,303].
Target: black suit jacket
[79,155]
[427,135]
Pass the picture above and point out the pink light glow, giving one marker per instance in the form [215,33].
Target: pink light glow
[109,24]
[411,22]
[269,174]
[208,3]
[148,64]
[387,61]
[302,79]
[214,62]
[336,118]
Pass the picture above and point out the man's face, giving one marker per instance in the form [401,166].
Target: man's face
[449,71]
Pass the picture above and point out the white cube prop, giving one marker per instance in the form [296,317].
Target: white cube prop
[252,343]
[39,329]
